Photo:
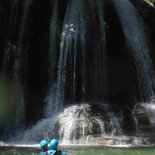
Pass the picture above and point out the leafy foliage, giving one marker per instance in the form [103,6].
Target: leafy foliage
[152,1]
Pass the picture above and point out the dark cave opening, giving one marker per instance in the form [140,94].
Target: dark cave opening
[37,65]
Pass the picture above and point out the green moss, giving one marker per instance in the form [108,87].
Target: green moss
[152,1]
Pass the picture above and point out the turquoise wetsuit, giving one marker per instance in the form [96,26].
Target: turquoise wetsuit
[42,152]
[49,152]
[54,152]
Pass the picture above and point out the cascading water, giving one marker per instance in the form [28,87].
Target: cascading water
[80,124]
[72,68]
[136,41]
[55,97]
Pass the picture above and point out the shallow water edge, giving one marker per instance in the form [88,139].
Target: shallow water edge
[80,150]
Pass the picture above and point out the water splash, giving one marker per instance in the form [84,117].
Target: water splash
[44,129]
[80,123]
[77,124]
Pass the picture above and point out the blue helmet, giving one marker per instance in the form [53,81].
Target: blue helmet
[43,143]
[54,144]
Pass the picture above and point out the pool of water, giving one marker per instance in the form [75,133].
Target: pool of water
[76,150]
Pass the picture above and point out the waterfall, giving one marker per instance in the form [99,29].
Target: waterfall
[69,37]
[60,73]
[70,63]
[137,44]
[71,78]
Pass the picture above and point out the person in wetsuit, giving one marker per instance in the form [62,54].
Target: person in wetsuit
[44,147]
[54,147]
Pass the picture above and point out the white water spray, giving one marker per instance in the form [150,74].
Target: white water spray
[80,124]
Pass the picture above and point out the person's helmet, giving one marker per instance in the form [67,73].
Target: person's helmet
[54,144]
[43,143]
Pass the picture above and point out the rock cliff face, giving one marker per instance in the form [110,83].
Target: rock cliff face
[147,12]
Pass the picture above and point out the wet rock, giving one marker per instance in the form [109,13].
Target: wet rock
[142,115]
[147,141]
